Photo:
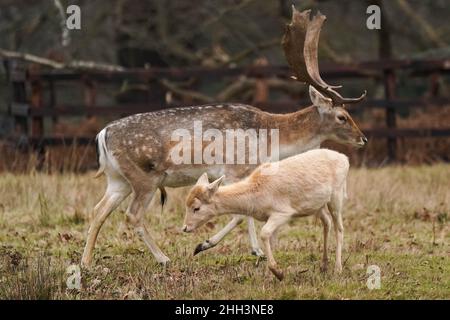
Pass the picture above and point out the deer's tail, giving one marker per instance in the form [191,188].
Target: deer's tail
[100,143]
[163,198]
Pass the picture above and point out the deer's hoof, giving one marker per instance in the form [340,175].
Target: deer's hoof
[338,269]
[198,249]
[164,263]
[258,252]
[202,247]
[86,263]
[278,273]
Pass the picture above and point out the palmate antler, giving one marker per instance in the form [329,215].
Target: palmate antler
[300,43]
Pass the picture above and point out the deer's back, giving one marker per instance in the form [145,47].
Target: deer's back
[305,181]
[146,139]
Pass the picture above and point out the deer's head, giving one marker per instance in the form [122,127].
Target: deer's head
[335,122]
[200,206]
[300,44]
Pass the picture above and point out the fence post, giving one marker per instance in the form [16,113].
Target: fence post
[389,92]
[9,94]
[52,102]
[261,94]
[433,91]
[90,94]
[15,77]
[37,122]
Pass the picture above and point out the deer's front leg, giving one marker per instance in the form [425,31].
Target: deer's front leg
[214,240]
[326,222]
[135,217]
[144,187]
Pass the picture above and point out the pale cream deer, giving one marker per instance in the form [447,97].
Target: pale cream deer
[302,185]
[134,152]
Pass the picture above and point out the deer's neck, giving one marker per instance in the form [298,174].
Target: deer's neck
[235,198]
[299,131]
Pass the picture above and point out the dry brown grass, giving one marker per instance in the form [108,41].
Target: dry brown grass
[396,217]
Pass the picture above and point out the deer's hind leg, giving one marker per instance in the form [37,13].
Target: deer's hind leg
[326,222]
[268,234]
[116,191]
[144,185]
[254,243]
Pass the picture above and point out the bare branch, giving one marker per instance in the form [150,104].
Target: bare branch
[170,45]
[235,88]
[65,36]
[333,55]
[186,93]
[421,22]
[91,65]
[245,53]
[216,18]
[31,58]
[75,64]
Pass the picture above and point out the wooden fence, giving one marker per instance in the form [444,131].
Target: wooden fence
[26,103]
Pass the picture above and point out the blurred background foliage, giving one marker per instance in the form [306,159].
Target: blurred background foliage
[227,33]
[213,32]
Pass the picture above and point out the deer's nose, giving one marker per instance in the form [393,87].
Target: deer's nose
[364,140]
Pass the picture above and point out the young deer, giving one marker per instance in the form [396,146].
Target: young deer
[302,185]
[135,152]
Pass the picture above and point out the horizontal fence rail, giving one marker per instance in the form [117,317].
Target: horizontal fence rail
[371,133]
[363,69]
[26,86]
[20,109]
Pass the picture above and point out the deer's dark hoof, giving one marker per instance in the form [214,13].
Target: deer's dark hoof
[258,252]
[198,249]
[164,264]
[202,247]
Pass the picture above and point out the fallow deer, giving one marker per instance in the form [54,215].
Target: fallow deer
[134,152]
[302,185]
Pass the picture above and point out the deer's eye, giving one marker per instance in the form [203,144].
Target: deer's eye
[342,118]
[196,209]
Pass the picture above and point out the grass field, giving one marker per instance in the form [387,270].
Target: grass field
[395,218]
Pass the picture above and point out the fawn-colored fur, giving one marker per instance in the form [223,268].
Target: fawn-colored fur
[302,185]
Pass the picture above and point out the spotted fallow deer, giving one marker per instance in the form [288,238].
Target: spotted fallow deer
[134,152]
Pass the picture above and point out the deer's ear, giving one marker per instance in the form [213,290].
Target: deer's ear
[213,186]
[203,180]
[319,100]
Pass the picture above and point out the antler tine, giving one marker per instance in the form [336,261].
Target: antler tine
[310,50]
[338,99]
[355,100]
[293,43]
[300,43]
